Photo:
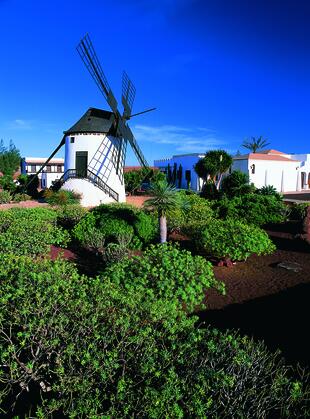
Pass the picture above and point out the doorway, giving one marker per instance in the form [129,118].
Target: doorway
[81,162]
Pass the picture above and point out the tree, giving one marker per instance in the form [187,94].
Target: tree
[135,178]
[164,198]
[255,144]
[179,176]
[9,158]
[174,174]
[213,165]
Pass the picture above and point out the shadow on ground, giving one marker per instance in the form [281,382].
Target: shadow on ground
[281,320]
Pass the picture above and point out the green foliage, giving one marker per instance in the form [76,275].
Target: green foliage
[7,183]
[252,208]
[165,272]
[30,231]
[5,197]
[135,178]
[116,223]
[28,184]
[270,191]
[298,212]
[236,184]
[255,143]
[9,159]
[209,191]
[114,252]
[19,197]
[192,210]
[163,199]
[70,215]
[61,197]
[215,162]
[233,239]
[73,346]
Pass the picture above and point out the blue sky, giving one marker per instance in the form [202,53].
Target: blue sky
[217,71]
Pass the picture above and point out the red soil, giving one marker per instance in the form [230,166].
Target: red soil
[136,201]
[23,204]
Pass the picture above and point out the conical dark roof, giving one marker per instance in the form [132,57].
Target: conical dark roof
[93,121]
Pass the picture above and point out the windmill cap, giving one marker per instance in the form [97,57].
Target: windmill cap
[94,120]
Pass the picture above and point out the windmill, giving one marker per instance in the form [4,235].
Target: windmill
[95,146]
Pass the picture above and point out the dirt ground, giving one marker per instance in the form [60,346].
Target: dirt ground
[266,301]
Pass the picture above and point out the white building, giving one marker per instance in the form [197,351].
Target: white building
[52,172]
[286,172]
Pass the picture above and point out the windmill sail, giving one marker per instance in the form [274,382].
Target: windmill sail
[89,57]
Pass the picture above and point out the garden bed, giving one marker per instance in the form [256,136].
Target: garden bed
[266,301]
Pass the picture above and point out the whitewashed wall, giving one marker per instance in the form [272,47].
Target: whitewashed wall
[91,195]
[90,143]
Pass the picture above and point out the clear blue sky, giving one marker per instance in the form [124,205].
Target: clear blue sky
[217,71]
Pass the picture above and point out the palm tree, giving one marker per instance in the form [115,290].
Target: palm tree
[255,144]
[164,197]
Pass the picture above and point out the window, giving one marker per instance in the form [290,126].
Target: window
[48,169]
[32,169]
[71,139]
[252,169]
[59,168]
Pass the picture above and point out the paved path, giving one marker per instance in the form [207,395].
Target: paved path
[297,196]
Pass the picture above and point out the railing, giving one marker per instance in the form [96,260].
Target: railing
[90,176]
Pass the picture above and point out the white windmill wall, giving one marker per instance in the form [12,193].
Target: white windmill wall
[92,195]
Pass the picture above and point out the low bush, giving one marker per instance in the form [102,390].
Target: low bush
[237,184]
[209,191]
[269,190]
[70,215]
[297,212]
[192,210]
[30,231]
[252,208]
[5,197]
[73,346]
[233,239]
[19,197]
[61,197]
[116,223]
[165,272]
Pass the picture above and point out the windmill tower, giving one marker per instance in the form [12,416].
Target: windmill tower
[95,146]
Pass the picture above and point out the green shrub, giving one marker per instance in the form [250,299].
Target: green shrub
[95,232]
[236,184]
[73,346]
[269,190]
[193,210]
[209,191]
[30,231]
[116,223]
[19,197]
[252,208]
[165,272]
[7,183]
[233,239]
[298,212]
[70,215]
[5,197]
[114,252]
[144,225]
[61,197]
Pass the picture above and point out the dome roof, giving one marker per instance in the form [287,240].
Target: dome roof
[93,121]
